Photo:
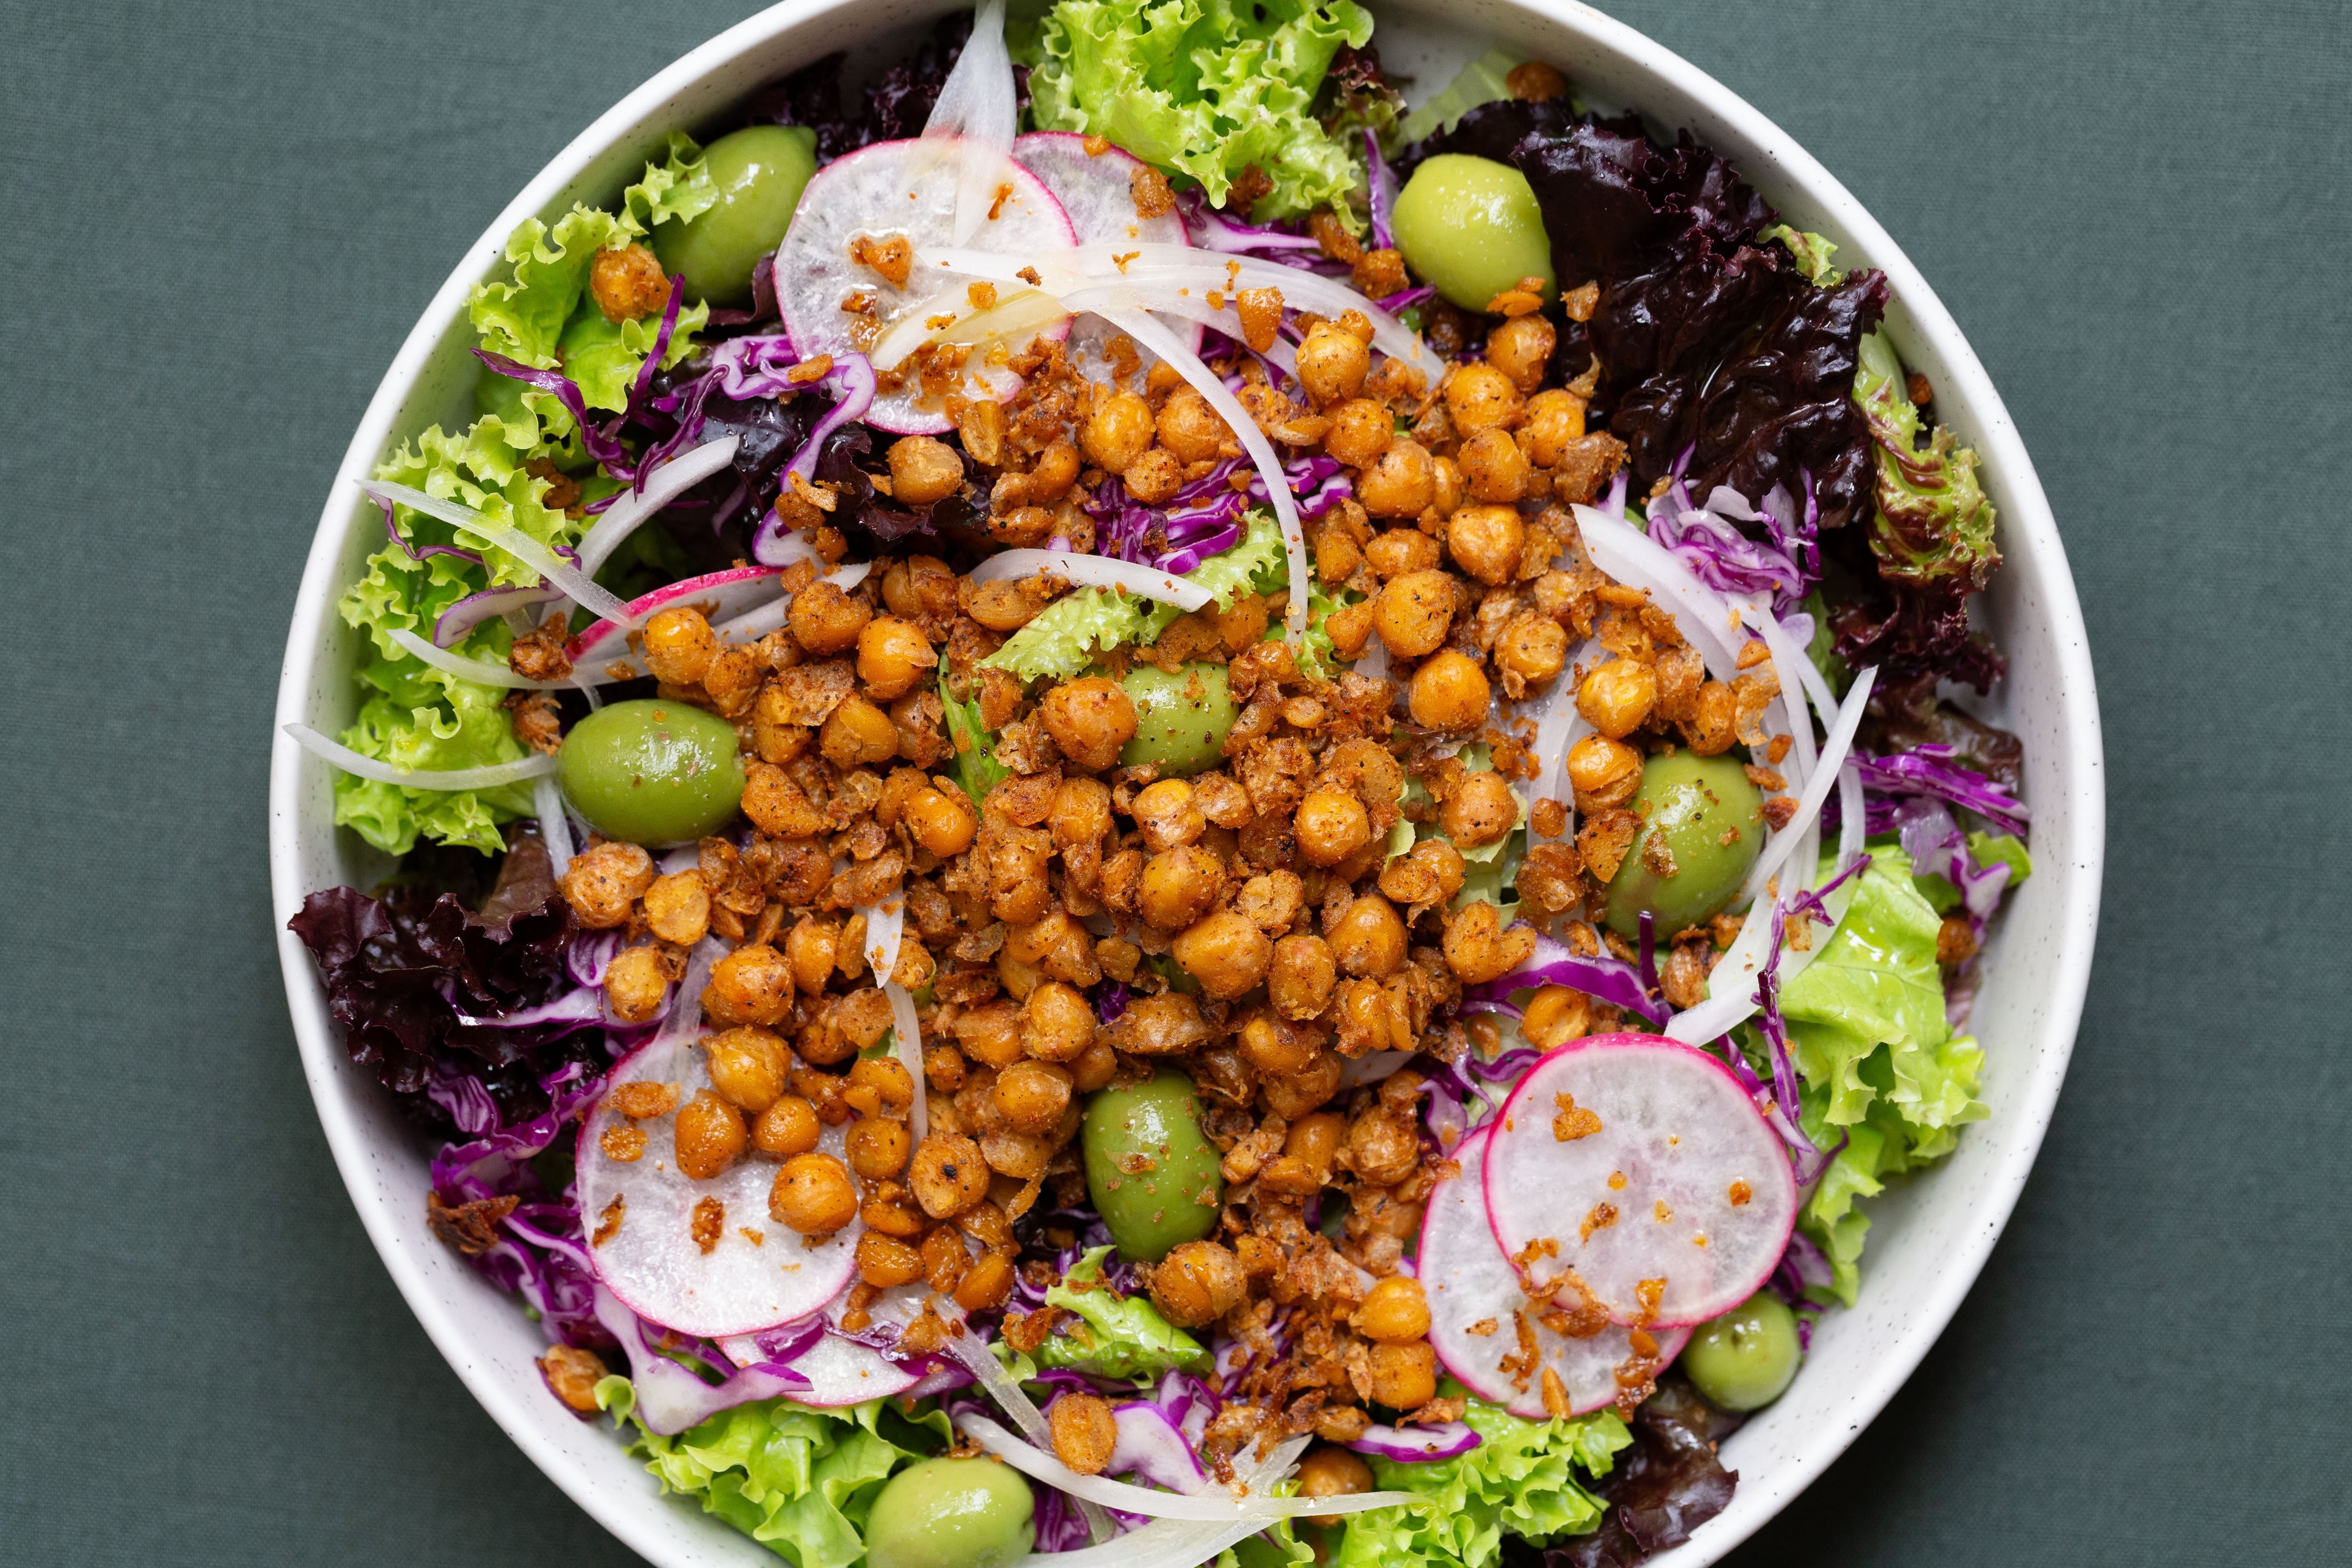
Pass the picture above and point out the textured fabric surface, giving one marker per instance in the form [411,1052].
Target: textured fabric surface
[227,215]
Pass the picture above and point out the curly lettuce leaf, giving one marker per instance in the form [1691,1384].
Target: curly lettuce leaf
[1522,1478]
[1124,1336]
[1203,88]
[1933,523]
[676,189]
[977,768]
[799,1480]
[1810,252]
[1882,1144]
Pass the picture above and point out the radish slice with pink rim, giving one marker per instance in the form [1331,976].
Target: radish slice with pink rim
[1642,1165]
[720,596]
[1097,191]
[840,1371]
[1475,1296]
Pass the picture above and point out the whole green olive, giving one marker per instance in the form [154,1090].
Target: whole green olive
[1711,821]
[1154,1178]
[1181,720]
[759,172]
[951,1513]
[1745,1359]
[1471,226]
[652,772]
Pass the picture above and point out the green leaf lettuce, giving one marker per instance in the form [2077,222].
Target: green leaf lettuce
[1933,523]
[1120,1336]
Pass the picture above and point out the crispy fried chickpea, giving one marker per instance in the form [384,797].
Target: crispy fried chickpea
[858,734]
[1520,348]
[1494,469]
[1603,772]
[1314,1140]
[786,1128]
[1616,698]
[1332,824]
[1090,720]
[1557,1015]
[748,1067]
[1333,362]
[1397,551]
[878,1147]
[894,1212]
[991,1034]
[1271,1045]
[987,1283]
[894,656]
[1178,887]
[1382,1147]
[1031,1096]
[1192,429]
[1197,1283]
[1117,432]
[1300,977]
[923,469]
[643,1100]
[861,1016]
[812,947]
[1477,948]
[1360,431]
[709,1135]
[1225,952]
[885,1081]
[679,646]
[1155,477]
[1368,939]
[920,586]
[944,1257]
[1395,1312]
[1404,1376]
[1413,612]
[1084,1432]
[812,1195]
[1555,418]
[1169,815]
[1081,813]
[1449,693]
[635,983]
[677,908]
[827,620]
[752,984]
[1532,650]
[1094,1068]
[1431,873]
[1330,1471]
[1061,1023]
[1451,489]
[949,1175]
[1487,541]
[941,822]
[883,1261]
[627,283]
[1401,482]
[1293,1096]
[573,1374]
[1479,811]
[1480,397]
[1715,725]
[733,681]
[601,884]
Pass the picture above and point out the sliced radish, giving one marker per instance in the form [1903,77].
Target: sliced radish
[906,190]
[1639,1164]
[720,596]
[651,1259]
[840,1371]
[1475,1303]
[1097,191]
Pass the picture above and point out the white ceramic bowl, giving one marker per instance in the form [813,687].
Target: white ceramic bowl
[1929,1236]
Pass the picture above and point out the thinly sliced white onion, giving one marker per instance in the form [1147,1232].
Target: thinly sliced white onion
[963,1344]
[979,104]
[909,1048]
[663,486]
[513,541]
[1853,808]
[1094,572]
[554,827]
[885,923]
[754,623]
[1559,726]
[490,777]
[481,671]
[1156,298]
[1368,1069]
[1818,787]
[1125,1497]
[1633,558]
[1787,664]
[1177,1543]
[1014,320]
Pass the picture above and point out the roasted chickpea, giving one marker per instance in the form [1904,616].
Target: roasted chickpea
[643,1100]
[861,1016]
[991,1034]
[1031,1096]
[1451,488]
[1494,467]
[1479,811]
[923,469]
[878,1147]
[1169,815]
[679,646]
[1084,1432]
[1616,698]
[883,1261]
[1117,432]
[1331,825]
[1081,813]
[1300,977]
[1401,482]
[987,1283]
[857,734]
[1197,1283]
[1449,693]
[1477,948]
[677,908]
[1414,612]
[1061,1023]
[1431,873]
[1360,431]
[919,587]
[1397,551]
[1001,605]
[1404,1376]
[1554,1015]
[941,822]
[1154,478]
[1486,541]
[1382,1147]
[812,1195]
[1480,397]
[827,620]
[572,1373]
[1532,650]
[1293,1096]
[949,1175]
[1555,418]
[1330,1471]
[746,1065]
[1271,1045]
[893,1211]
[1020,527]
[1178,887]
[1094,1068]
[1520,348]
[1225,952]
[786,1128]
[635,983]
[732,682]
[1333,362]
[812,947]
[709,1135]
[1603,772]
[1090,720]
[1395,1312]
[1716,726]
[894,656]
[601,884]
[752,984]
[1369,937]
[1190,428]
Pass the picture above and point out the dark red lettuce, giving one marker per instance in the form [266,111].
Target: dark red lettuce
[1663,1488]
[894,106]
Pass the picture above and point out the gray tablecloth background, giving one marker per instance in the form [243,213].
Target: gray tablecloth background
[225,217]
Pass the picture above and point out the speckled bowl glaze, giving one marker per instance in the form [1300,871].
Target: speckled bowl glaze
[1930,1235]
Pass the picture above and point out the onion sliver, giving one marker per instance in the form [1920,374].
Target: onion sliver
[886,923]
[1178,1543]
[979,104]
[554,827]
[1817,788]
[351,761]
[1632,557]
[663,486]
[909,1048]
[1094,572]
[964,1343]
[480,671]
[1128,1497]
[513,541]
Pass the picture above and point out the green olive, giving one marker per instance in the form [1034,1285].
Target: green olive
[1181,720]
[759,172]
[652,772]
[1472,228]
[1153,1177]
[951,1513]
[1711,819]
[1745,1359]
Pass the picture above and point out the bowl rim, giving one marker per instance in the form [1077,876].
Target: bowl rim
[1996,437]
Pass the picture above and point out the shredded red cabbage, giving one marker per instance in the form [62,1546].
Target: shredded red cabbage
[1936,769]
[1611,980]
